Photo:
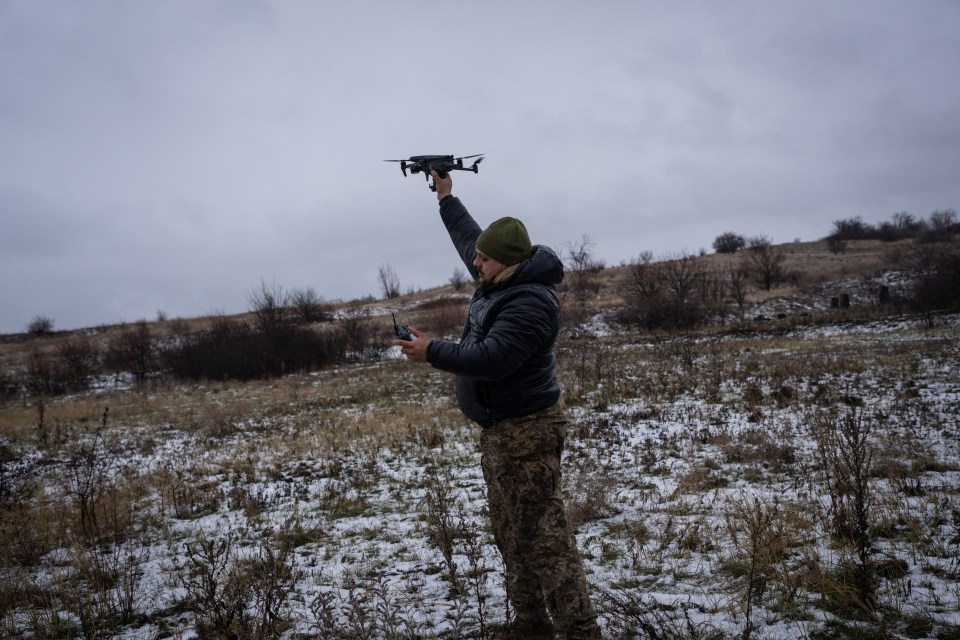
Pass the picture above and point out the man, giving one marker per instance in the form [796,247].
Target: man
[505,381]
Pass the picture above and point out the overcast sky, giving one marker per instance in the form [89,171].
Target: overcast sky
[169,157]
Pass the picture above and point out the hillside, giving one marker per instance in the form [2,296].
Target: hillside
[795,476]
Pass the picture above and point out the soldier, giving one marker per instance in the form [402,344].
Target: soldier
[505,381]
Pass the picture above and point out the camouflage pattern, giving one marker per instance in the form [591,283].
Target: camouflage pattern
[521,466]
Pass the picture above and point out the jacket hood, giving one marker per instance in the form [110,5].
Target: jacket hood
[542,267]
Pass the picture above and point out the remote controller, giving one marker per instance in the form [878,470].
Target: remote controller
[402,331]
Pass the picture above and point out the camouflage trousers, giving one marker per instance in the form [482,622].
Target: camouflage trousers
[521,466]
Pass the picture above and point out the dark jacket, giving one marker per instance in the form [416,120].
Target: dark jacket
[504,362]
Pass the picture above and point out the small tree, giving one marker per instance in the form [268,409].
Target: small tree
[78,360]
[269,307]
[666,294]
[943,224]
[582,276]
[40,325]
[836,245]
[681,275]
[389,282]
[739,287]
[309,306]
[729,242]
[853,229]
[459,279]
[765,261]
[133,350]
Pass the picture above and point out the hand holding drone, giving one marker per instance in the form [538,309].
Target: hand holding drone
[441,164]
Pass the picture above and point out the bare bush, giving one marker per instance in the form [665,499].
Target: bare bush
[935,268]
[389,281]
[361,336]
[442,527]
[308,305]
[22,539]
[738,281]
[133,350]
[40,374]
[845,453]
[40,325]
[459,279]
[269,307]
[671,294]
[765,261]
[758,535]
[581,281]
[78,361]
[235,596]
[232,349]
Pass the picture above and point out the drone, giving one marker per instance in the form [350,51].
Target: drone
[441,164]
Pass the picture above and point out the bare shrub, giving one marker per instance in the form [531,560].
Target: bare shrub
[133,350]
[268,304]
[666,295]
[87,478]
[935,268]
[765,261]
[836,245]
[942,226]
[78,362]
[40,375]
[581,281]
[238,596]
[232,349]
[183,495]
[40,325]
[389,281]
[104,591]
[308,305]
[22,539]
[590,496]
[459,279]
[756,530]
[738,286]
[442,525]
[361,336]
[845,455]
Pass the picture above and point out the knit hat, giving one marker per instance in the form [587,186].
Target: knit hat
[506,241]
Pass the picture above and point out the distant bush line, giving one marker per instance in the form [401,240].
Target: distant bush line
[941,225]
[238,351]
[282,335]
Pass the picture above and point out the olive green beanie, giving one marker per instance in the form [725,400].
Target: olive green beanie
[506,241]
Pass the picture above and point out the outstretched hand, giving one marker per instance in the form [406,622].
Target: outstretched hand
[444,185]
[415,349]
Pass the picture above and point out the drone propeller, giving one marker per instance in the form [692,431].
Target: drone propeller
[476,155]
[403,165]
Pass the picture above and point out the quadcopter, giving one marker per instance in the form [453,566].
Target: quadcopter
[441,164]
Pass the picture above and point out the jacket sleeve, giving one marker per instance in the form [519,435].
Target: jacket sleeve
[462,228]
[522,326]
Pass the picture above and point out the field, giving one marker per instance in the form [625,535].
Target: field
[798,479]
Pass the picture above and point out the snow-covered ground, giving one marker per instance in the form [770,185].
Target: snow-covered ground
[704,474]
